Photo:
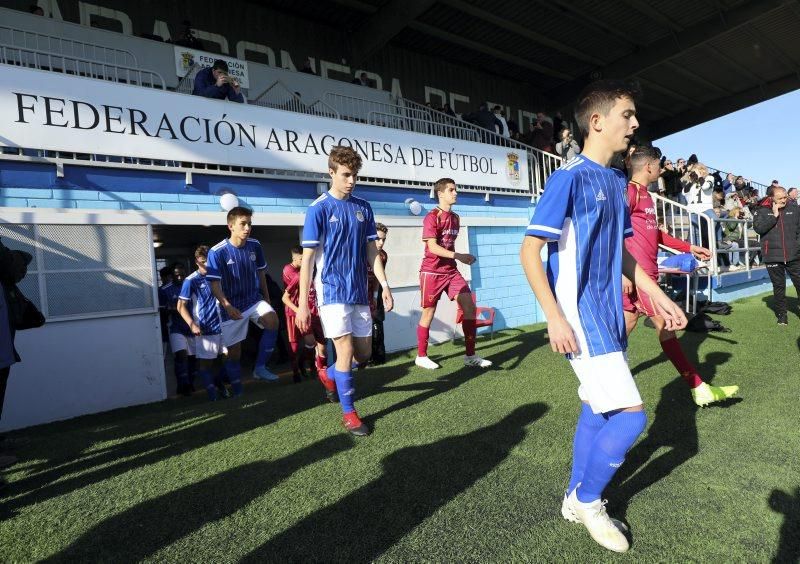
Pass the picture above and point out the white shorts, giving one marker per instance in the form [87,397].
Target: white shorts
[606,382]
[235,330]
[208,347]
[343,319]
[179,342]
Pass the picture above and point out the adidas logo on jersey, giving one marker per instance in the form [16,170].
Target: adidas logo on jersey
[600,196]
[333,218]
[230,261]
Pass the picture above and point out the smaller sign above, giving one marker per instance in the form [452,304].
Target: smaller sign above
[185,58]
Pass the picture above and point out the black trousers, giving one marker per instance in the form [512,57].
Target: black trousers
[4,372]
[777,274]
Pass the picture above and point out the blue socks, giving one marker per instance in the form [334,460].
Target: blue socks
[265,346]
[344,386]
[234,371]
[208,383]
[608,451]
[589,424]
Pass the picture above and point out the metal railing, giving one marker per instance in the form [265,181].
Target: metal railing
[55,62]
[281,97]
[68,47]
[741,245]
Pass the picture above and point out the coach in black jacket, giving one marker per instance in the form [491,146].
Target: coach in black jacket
[777,220]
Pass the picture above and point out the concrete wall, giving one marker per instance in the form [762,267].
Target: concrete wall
[73,368]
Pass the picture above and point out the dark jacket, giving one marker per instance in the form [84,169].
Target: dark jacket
[206,85]
[485,119]
[780,237]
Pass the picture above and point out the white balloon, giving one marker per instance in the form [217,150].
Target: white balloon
[415,207]
[228,201]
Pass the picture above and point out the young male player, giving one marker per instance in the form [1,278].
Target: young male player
[438,274]
[313,340]
[643,246]
[181,341]
[342,228]
[581,217]
[236,268]
[200,311]
[376,299]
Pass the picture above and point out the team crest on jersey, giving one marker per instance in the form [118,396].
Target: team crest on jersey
[359,215]
[512,168]
[253,256]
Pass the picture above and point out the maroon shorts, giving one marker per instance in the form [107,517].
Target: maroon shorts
[295,335]
[638,302]
[433,284]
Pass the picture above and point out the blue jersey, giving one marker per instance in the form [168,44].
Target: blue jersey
[176,323]
[237,270]
[584,216]
[340,231]
[196,289]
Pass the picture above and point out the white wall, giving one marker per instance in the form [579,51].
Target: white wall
[400,327]
[72,368]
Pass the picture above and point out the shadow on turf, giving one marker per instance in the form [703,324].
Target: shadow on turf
[792,303]
[673,427]
[66,453]
[416,482]
[522,344]
[148,527]
[789,542]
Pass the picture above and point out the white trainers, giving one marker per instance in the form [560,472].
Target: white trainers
[600,526]
[475,360]
[425,362]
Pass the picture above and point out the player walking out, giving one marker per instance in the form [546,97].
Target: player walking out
[199,309]
[312,340]
[439,274]
[181,341]
[581,217]
[376,303]
[339,240]
[643,246]
[236,268]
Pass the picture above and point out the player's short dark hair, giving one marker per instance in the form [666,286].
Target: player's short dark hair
[345,156]
[201,251]
[381,227]
[296,250]
[599,97]
[165,271]
[221,65]
[442,183]
[642,155]
[178,264]
[239,211]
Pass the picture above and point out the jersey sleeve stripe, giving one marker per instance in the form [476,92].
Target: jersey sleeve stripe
[214,276]
[544,228]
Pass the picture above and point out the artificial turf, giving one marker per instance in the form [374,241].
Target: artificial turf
[464,465]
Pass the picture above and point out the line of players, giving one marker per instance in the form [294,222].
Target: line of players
[342,250]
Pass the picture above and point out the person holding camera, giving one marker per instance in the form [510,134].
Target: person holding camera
[777,220]
[567,148]
[215,82]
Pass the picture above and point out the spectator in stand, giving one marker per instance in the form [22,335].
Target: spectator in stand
[448,110]
[214,82]
[777,220]
[363,80]
[792,193]
[702,190]
[558,126]
[541,137]
[36,10]
[308,68]
[546,123]
[567,147]
[513,128]
[485,119]
[671,180]
[498,113]
[733,238]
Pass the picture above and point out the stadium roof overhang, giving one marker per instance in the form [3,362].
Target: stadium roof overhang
[695,59]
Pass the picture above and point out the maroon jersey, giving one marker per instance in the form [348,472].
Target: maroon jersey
[443,227]
[643,246]
[291,279]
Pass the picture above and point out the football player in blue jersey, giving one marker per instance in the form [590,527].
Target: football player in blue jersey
[338,243]
[236,268]
[199,309]
[582,219]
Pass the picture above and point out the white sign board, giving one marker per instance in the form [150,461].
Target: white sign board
[58,112]
[185,58]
